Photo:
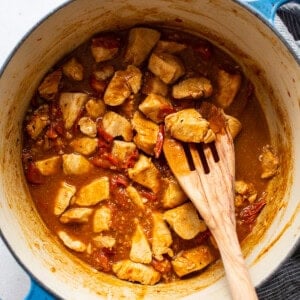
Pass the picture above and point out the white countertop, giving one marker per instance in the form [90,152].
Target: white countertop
[16,18]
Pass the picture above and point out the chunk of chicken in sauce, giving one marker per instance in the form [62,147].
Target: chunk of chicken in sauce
[49,87]
[63,198]
[73,69]
[49,166]
[269,163]
[38,121]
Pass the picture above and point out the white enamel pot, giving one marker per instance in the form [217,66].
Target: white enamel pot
[267,60]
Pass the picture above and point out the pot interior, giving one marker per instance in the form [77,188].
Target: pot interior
[229,25]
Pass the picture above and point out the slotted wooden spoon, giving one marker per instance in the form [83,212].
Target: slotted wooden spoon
[206,173]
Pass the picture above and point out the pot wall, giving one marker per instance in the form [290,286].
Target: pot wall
[230,25]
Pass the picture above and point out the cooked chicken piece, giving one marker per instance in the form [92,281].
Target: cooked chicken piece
[228,86]
[192,260]
[73,69]
[116,125]
[135,197]
[71,104]
[49,86]
[189,126]
[161,237]
[75,164]
[63,197]
[173,195]
[104,241]
[38,121]
[154,85]
[145,173]
[140,251]
[93,193]
[122,85]
[169,47]
[185,221]
[146,133]
[234,125]
[155,107]
[84,145]
[104,48]
[166,66]
[136,272]
[192,88]
[140,43]
[122,151]
[244,191]
[104,73]
[269,162]
[95,108]
[102,219]
[87,126]
[71,243]
[49,166]
[76,215]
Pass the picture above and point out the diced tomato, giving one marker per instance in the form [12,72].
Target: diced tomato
[165,110]
[103,134]
[101,261]
[131,159]
[149,195]
[106,41]
[163,266]
[159,142]
[101,161]
[33,174]
[249,213]
[51,132]
[98,86]
[118,180]
[204,49]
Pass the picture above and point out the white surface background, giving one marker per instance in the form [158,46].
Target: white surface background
[17,17]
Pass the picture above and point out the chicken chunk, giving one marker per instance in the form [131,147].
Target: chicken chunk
[146,133]
[76,215]
[173,195]
[104,241]
[48,89]
[63,197]
[84,145]
[73,69]
[93,193]
[192,260]
[140,251]
[228,87]
[122,85]
[140,43]
[244,192]
[234,125]
[104,73]
[102,219]
[154,85]
[145,173]
[185,221]
[135,197]
[95,108]
[192,88]
[87,126]
[122,151]
[105,47]
[155,107]
[38,121]
[75,164]
[136,272]
[49,166]
[116,125]
[169,47]
[71,105]
[188,125]
[167,67]
[161,237]
[269,163]
[71,243]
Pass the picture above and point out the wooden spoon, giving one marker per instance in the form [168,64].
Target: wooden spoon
[206,173]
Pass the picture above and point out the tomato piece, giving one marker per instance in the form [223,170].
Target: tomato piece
[249,213]
[131,159]
[33,174]
[103,134]
[97,85]
[159,142]
[119,180]
[162,267]
[106,41]
[101,261]
[149,195]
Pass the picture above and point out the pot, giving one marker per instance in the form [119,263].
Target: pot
[266,59]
